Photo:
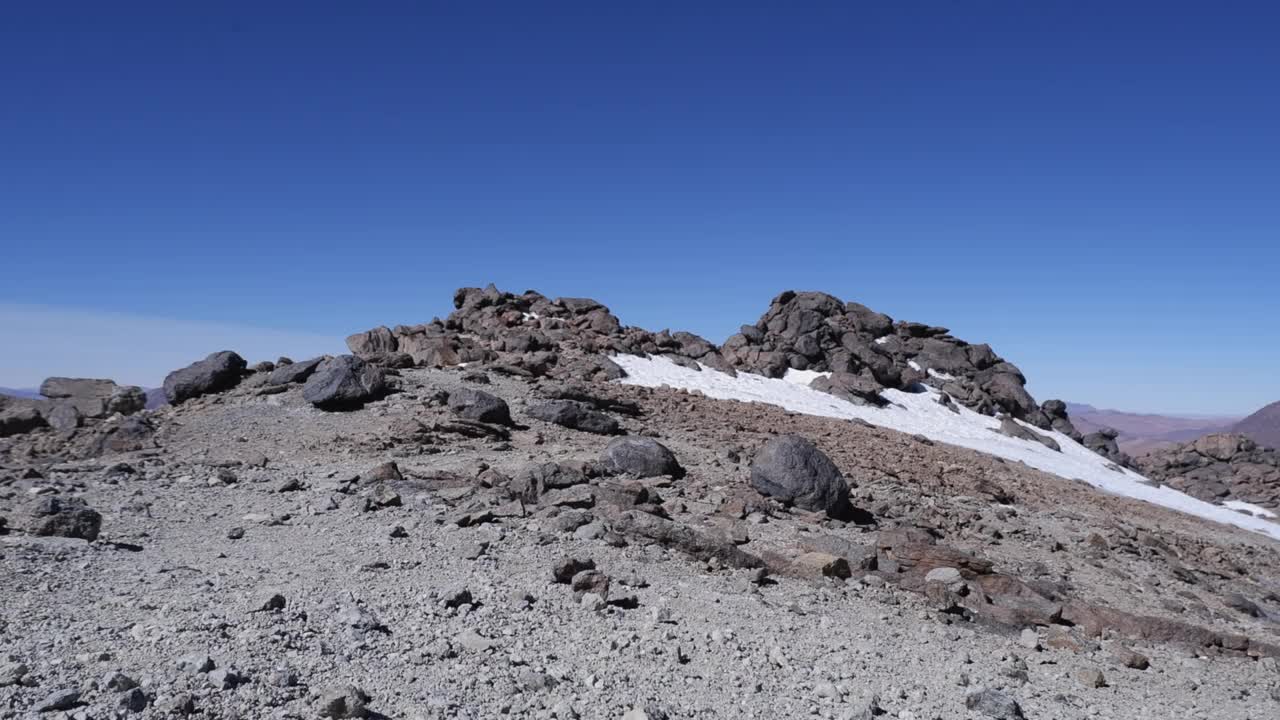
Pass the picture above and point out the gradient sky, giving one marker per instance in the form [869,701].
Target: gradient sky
[1093,188]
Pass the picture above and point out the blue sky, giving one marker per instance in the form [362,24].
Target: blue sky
[1093,188]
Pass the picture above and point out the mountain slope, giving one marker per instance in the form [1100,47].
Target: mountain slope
[1263,426]
[1141,433]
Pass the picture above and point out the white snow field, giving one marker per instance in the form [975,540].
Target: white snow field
[920,413]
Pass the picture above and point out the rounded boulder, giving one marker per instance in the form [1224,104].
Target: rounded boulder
[641,457]
[793,470]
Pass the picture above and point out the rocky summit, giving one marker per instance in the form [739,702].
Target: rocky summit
[488,516]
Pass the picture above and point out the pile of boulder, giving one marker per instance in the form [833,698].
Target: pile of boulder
[864,352]
[867,351]
[530,335]
[69,403]
[1219,467]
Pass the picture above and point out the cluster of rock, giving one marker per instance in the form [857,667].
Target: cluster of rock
[864,351]
[867,351]
[69,403]
[1219,467]
[528,335]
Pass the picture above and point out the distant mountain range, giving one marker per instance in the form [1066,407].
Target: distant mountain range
[20,392]
[1263,426]
[1141,433]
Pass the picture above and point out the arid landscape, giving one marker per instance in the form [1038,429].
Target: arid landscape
[513,512]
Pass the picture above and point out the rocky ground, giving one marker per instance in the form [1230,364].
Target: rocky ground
[258,558]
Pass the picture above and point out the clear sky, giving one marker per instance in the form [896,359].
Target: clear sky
[1091,187]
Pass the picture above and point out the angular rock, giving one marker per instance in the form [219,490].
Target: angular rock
[344,382]
[575,416]
[294,372]
[479,406]
[51,515]
[218,372]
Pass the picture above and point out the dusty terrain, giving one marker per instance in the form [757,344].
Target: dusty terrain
[255,530]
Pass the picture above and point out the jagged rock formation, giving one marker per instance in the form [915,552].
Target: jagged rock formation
[528,335]
[1219,467]
[865,351]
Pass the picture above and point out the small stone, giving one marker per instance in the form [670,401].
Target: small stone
[399,532]
[993,703]
[224,678]
[235,533]
[824,564]
[60,700]
[134,700]
[563,571]
[456,597]
[826,690]
[1091,678]
[182,704]
[475,550]
[1029,639]
[1131,659]
[283,676]
[196,663]
[271,601]
[344,702]
[119,682]
[475,642]
[12,673]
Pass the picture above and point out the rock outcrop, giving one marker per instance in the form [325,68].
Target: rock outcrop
[94,398]
[864,351]
[1219,467]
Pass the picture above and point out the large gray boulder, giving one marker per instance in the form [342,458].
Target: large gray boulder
[793,470]
[575,416]
[216,373]
[19,419]
[480,406]
[641,457]
[294,372]
[344,382]
[62,517]
[94,398]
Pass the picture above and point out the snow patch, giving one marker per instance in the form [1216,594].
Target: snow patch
[940,375]
[920,413]
[803,377]
[1250,508]
[882,340]
[530,316]
[914,365]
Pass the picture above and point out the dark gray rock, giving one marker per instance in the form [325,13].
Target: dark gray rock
[480,406]
[51,515]
[19,420]
[575,416]
[993,703]
[294,372]
[216,373]
[1011,427]
[641,457]
[795,471]
[344,382]
[60,700]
